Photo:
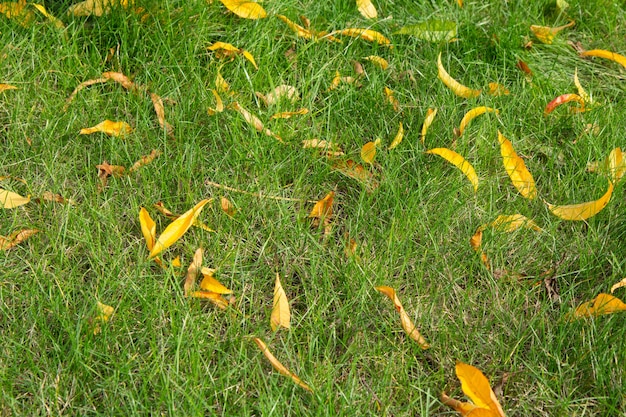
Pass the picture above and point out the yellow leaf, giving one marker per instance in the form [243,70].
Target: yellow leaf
[245,9]
[324,207]
[602,304]
[281,316]
[465,408]
[289,114]
[192,272]
[476,386]
[356,171]
[428,120]
[163,210]
[176,229]
[104,313]
[391,98]
[513,222]
[9,199]
[398,139]
[581,91]
[582,211]
[546,34]
[459,162]
[378,61]
[56,22]
[367,9]
[220,84]
[108,127]
[148,228]
[496,89]
[564,99]
[515,167]
[249,57]
[209,283]
[16,238]
[286,92]
[219,104]
[456,87]
[4,87]
[217,299]
[96,7]
[18,12]
[254,121]
[176,262]
[405,320]
[157,103]
[365,34]
[614,165]
[617,285]
[223,46]
[332,149]
[475,112]
[279,366]
[227,206]
[368,152]
[145,160]
[56,198]
[601,53]
[299,30]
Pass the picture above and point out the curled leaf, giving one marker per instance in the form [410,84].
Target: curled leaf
[148,228]
[614,166]
[286,92]
[459,162]
[145,160]
[192,272]
[209,283]
[245,9]
[428,120]
[565,98]
[406,322]
[456,87]
[279,366]
[159,109]
[378,61]
[581,91]
[219,104]
[601,53]
[582,211]
[472,114]
[324,207]
[289,114]
[516,168]
[281,316]
[602,304]
[398,139]
[16,238]
[619,284]
[109,127]
[365,34]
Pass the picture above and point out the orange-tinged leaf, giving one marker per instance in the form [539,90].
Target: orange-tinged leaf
[496,89]
[601,53]
[281,316]
[378,61]
[148,228]
[619,284]
[516,168]
[104,313]
[227,206]
[464,408]
[391,98]
[289,114]
[582,211]
[456,87]
[145,160]
[565,98]
[108,127]
[286,92]
[245,9]
[9,199]
[546,34]
[176,262]
[459,162]
[428,120]
[279,366]
[476,386]
[176,229]
[524,67]
[405,320]
[473,113]
[356,171]
[121,79]
[217,299]
[332,149]
[602,304]
[209,283]
[367,9]
[398,139]
[365,34]
[157,103]
[324,207]
[4,87]
[192,272]
[368,151]
[16,238]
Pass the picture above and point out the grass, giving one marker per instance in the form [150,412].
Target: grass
[163,353]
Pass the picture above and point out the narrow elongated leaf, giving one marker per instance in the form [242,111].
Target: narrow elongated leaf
[356,171]
[428,120]
[398,139]
[602,304]
[56,22]
[476,386]
[16,238]
[289,114]
[145,160]
[391,98]
[562,99]
[378,61]
[581,91]
[4,87]
[245,9]
[582,211]
[96,7]
[279,366]
[619,284]
[148,228]
[365,34]
[217,299]
[108,127]
[516,168]
[456,87]
[254,121]
[9,199]
[546,34]
[192,272]
[601,53]
[159,109]
[432,30]
[472,114]
[407,323]
[459,162]
[367,9]
[281,316]
[177,228]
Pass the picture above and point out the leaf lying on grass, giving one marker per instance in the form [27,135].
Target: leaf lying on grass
[281,316]
[456,87]
[109,128]
[472,114]
[407,324]
[428,120]
[356,171]
[103,314]
[602,304]
[378,61]
[9,199]
[245,9]
[367,9]
[619,284]
[601,53]
[582,211]
[145,160]
[254,121]
[368,151]
[431,30]
[476,386]
[496,90]
[4,87]
[546,34]
[562,99]
[289,114]
[365,34]
[398,138]
[516,168]
[282,92]
[96,7]
[614,166]
[279,366]
[459,162]
[192,272]
[16,238]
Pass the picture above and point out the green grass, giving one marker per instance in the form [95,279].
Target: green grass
[164,354]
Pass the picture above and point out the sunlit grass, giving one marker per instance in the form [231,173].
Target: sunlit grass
[162,353]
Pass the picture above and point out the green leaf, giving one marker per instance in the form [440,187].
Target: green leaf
[431,30]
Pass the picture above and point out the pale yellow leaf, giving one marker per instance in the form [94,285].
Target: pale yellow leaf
[103,314]
[9,199]
[428,120]
[512,222]
[286,92]
[4,87]
[516,168]
[582,211]
[391,98]
[602,304]
[459,162]
[398,139]
[473,113]
[56,22]
[108,127]
[546,34]
[405,320]
[254,121]
[456,87]
[96,7]
[289,114]
[614,165]
[619,284]
[219,104]
[221,86]
[177,228]
[279,366]
[496,89]
[245,9]
[367,9]
[281,316]
[581,91]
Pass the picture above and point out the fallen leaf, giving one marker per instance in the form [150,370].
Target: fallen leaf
[227,206]
[108,127]
[245,9]
[254,121]
[56,198]
[521,65]
[365,34]
[56,22]
[157,103]
[601,53]
[431,30]
[582,211]
[209,283]
[473,113]
[172,216]
[4,87]
[281,316]
[16,238]
[367,9]
[614,166]
[96,7]
[307,33]
[391,99]
[331,148]
[18,11]
[368,151]
[356,171]
[564,99]
[9,199]
[513,222]
[279,366]
[105,170]
[496,90]
[323,208]
[459,162]
[378,61]
[338,80]
[546,34]
[602,304]
[407,324]
[192,272]
[104,313]
[286,92]
[289,114]
[476,386]
[221,86]
[145,160]
[581,91]
[619,284]
[219,104]
[148,228]
[217,299]
[516,168]
[428,120]
[176,229]
[250,58]
[398,139]
[456,87]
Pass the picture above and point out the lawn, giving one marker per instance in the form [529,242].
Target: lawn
[410,214]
